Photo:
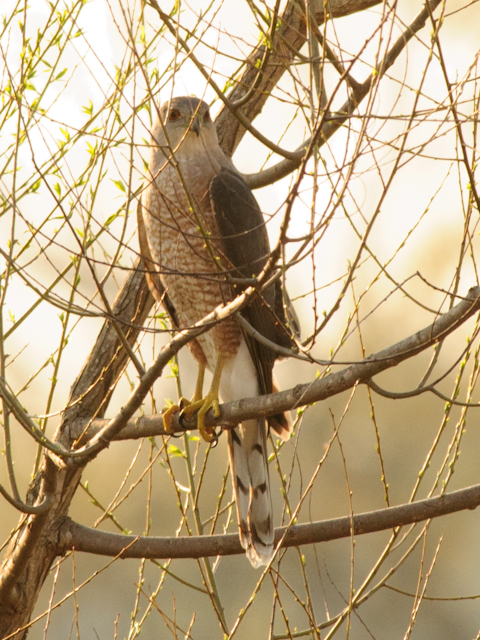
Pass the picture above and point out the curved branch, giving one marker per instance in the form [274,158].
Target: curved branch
[26,544]
[43,506]
[27,423]
[82,538]
[399,395]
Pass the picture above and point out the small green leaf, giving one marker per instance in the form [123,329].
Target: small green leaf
[175,452]
[61,74]
[110,219]
[120,185]
[91,149]
[88,110]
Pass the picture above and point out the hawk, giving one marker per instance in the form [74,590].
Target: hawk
[203,238]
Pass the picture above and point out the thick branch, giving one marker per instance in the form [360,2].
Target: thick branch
[81,538]
[234,412]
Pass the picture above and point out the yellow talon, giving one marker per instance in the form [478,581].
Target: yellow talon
[210,401]
[168,418]
[183,403]
[169,412]
[199,403]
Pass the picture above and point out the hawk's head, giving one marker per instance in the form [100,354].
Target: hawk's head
[185,120]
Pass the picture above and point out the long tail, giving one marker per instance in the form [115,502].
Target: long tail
[247,448]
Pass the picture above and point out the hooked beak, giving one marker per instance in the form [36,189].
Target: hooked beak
[196,125]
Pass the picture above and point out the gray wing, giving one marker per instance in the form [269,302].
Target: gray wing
[244,244]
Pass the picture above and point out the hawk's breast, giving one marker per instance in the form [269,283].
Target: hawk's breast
[181,227]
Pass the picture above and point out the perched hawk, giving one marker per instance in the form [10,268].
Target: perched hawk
[200,227]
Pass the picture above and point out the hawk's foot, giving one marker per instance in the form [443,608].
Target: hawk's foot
[210,401]
[168,414]
[167,418]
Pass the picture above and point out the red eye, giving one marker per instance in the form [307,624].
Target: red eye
[206,117]
[174,114]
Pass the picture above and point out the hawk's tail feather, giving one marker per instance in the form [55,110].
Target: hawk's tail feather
[281,423]
[247,447]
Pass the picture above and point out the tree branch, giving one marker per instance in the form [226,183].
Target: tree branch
[81,538]
[233,413]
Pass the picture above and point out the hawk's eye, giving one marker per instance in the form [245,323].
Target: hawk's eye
[174,115]
[206,117]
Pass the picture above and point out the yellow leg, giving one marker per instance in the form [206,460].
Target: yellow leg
[172,410]
[210,401]
[199,386]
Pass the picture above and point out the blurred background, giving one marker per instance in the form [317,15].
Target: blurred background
[383,237]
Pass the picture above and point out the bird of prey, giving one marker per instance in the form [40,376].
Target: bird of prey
[202,239]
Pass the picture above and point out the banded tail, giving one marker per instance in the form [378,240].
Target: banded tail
[247,448]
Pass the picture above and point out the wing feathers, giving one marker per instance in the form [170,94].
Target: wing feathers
[246,247]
